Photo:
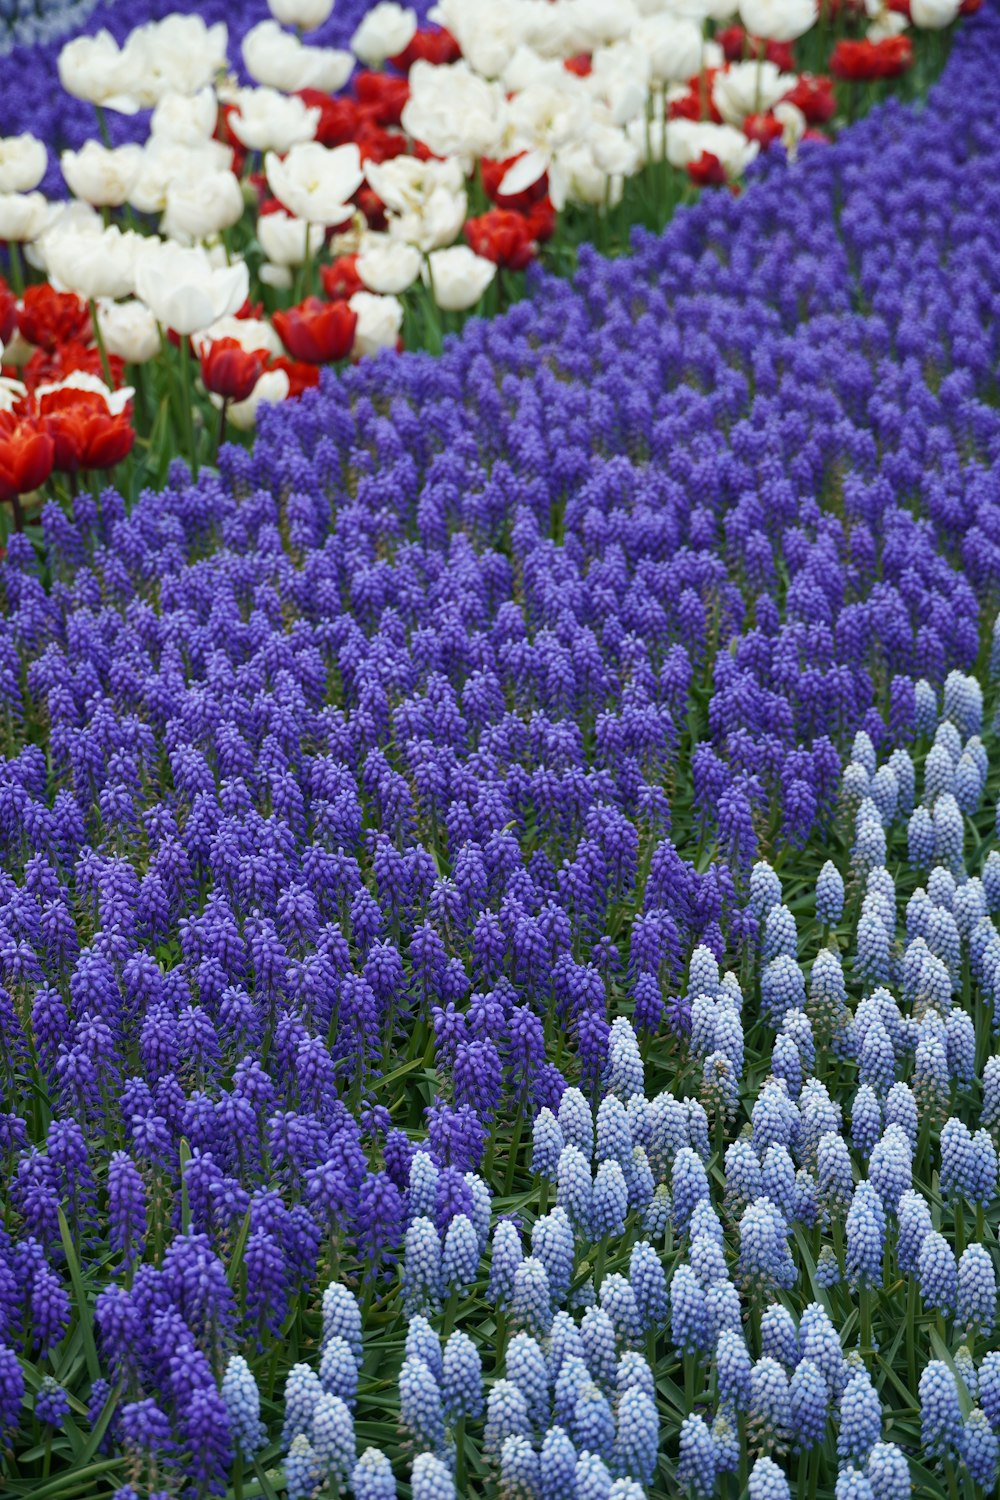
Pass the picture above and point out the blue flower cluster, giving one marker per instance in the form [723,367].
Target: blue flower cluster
[383,901]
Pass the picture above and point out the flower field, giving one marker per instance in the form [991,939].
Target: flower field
[499,963]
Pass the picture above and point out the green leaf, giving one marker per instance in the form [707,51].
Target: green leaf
[86,1323]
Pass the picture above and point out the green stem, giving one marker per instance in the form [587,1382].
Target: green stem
[101,347]
[187,386]
[16,267]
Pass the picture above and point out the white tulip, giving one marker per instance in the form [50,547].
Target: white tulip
[749,88]
[673,46]
[458,277]
[71,216]
[129,330]
[384,32]
[687,140]
[23,216]
[316,183]
[93,68]
[198,207]
[187,119]
[279,60]
[179,54]
[283,239]
[270,121]
[165,161]
[453,111]
[490,34]
[101,175]
[23,160]
[379,322]
[793,126]
[778,20]
[888,23]
[280,277]
[933,15]
[405,183]
[305,14]
[388,266]
[271,389]
[249,333]
[94,265]
[11,391]
[438,221]
[185,292]
[545,116]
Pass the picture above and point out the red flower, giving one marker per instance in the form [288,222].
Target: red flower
[300,375]
[436,46]
[84,433]
[26,454]
[969,7]
[581,65]
[736,45]
[697,104]
[494,172]
[382,96]
[341,279]
[316,331]
[230,370]
[371,206]
[338,118]
[376,144]
[51,319]
[501,236]
[763,128]
[707,171]
[863,62]
[46,369]
[541,220]
[8,312]
[815,98]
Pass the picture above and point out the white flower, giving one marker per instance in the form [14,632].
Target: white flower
[379,322]
[613,151]
[279,277]
[316,183]
[283,239]
[489,33]
[82,380]
[687,140]
[672,45]
[129,330]
[453,111]
[271,389]
[203,205]
[887,24]
[188,119]
[387,265]
[11,391]
[384,32]
[179,54]
[23,216]
[749,88]
[23,160]
[305,14]
[278,59]
[458,277]
[92,68]
[619,81]
[793,126]
[540,119]
[164,161]
[100,175]
[71,216]
[270,121]
[94,265]
[778,20]
[249,333]
[437,222]
[185,292]
[405,183]
[933,15]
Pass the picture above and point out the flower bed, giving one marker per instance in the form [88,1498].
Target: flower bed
[260,192]
[413,1073]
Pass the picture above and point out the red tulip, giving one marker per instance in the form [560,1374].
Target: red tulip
[382,96]
[503,237]
[763,128]
[8,312]
[436,46]
[494,172]
[707,171]
[316,331]
[27,453]
[815,98]
[338,117]
[49,368]
[736,45]
[83,431]
[51,319]
[341,279]
[300,375]
[230,370]
[864,62]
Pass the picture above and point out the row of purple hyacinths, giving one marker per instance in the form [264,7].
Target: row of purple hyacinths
[366,804]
